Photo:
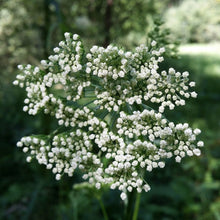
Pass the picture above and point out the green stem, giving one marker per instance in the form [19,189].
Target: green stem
[136,207]
[103,209]
[129,206]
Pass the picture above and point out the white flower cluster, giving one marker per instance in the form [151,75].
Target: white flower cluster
[126,77]
[116,137]
[63,70]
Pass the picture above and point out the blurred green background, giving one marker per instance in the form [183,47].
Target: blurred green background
[28,32]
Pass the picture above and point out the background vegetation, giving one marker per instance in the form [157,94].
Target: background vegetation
[28,32]
[195,21]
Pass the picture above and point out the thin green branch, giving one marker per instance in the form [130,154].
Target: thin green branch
[103,209]
[129,206]
[136,207]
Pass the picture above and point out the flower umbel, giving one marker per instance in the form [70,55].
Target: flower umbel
[108,104]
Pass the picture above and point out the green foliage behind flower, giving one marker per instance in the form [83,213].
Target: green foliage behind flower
[19,39]
[194,21]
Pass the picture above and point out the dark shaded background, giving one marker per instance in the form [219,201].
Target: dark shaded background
[28,32]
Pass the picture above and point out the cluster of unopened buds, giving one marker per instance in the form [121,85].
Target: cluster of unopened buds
[108,104]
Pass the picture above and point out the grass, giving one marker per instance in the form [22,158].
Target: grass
[201,49]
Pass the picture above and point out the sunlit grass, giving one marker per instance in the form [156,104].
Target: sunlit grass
[201,49]
[206,57]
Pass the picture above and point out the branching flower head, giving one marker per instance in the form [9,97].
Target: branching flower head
[103,103]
